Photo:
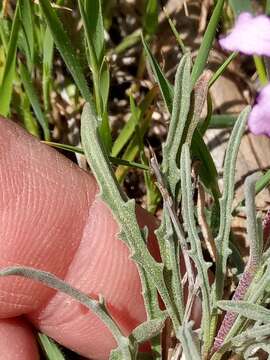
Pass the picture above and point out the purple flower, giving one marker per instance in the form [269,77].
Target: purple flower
[250,35]
[259,118]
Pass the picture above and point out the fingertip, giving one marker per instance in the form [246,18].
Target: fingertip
[17,341]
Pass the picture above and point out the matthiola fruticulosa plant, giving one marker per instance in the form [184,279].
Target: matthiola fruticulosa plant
[251,36]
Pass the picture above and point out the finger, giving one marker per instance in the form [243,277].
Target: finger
[17,341]
[101,266]
[49,219]
[44,205]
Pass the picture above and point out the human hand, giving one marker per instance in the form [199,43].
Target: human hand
[52,220]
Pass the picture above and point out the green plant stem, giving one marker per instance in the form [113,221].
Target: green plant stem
[222,68]
[175,32]
[261,71]
[53,282]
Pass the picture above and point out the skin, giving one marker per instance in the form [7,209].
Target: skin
[52,219]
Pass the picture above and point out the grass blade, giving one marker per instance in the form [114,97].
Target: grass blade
[9,70]
[91,14]
[26,16]
[129,128]
[207,42]
[151,17]
[65,48]
[33,97]
[113,160]
[165,87]
[50,348]
[94,28]
[29,121]
[48,46]
[134,146]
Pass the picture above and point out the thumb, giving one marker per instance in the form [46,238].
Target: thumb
[50,219]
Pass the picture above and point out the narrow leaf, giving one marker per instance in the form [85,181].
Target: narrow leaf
[250,311]
[256,246]
[9,70]
[207,42]
[65,48]
[165,87]
[50,348]
[48,47]
[175,137]
[195,242]
[26,15]
[151,17]
[32,95]
[95,28]
[129,128]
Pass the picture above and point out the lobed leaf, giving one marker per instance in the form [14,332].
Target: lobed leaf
[222,240]
[122,208]
[196,250]
[208,172]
